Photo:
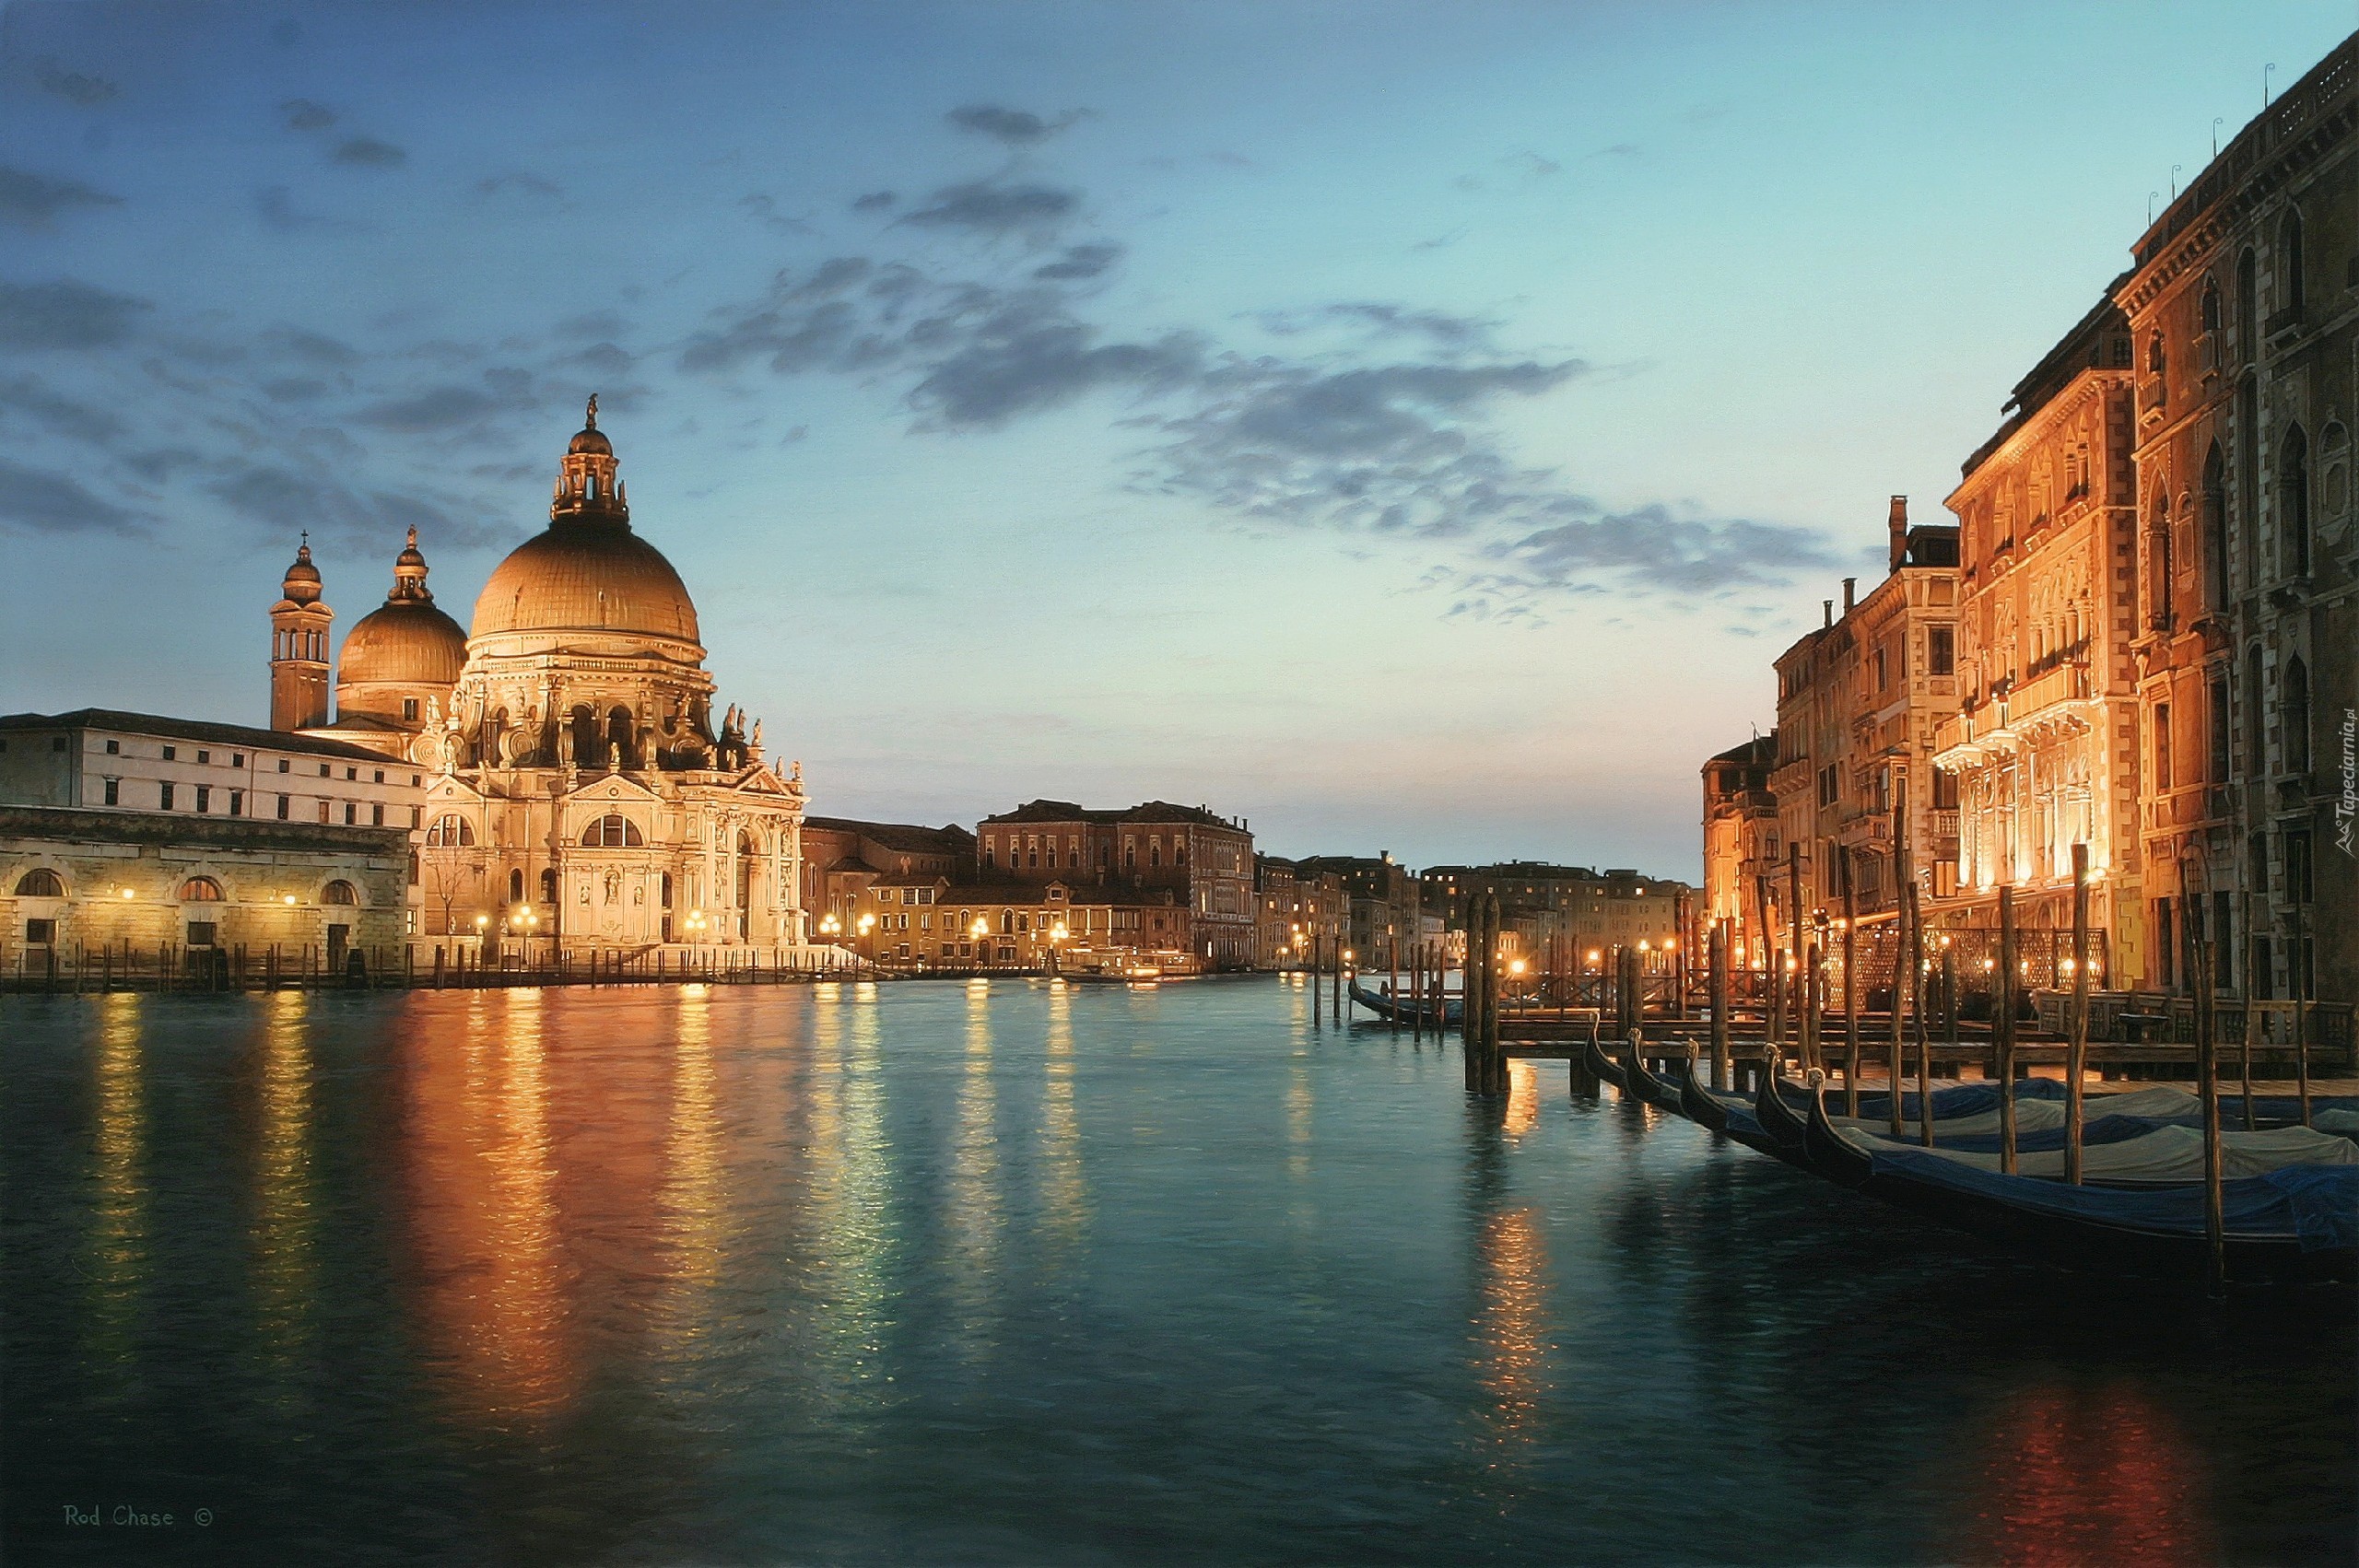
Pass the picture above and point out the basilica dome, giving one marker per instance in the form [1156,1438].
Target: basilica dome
[403,641]
[588,571]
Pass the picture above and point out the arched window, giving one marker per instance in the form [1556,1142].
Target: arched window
[1007,922]
[585,737]
[449,831]
[2289,262]
[2247,305]
[2216,529]
[516,886]
[2255,764]
[548,884]
[2293,500]
[2155,356]
[2211,306]
[40,883]
[340,893]
[200,890]
[618,736]
[2158,564]
[612,832]
[2293,716]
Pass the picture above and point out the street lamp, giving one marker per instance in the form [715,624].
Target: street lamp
[829,926]
[1057,933]
[979,931]
[868,924]
[483,925]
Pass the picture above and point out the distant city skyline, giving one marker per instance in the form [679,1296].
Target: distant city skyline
[1415,435]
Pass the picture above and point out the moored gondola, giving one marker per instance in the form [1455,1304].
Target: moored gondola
[2294,1225]
[1644,1085]
[1698,1104]
[1779,1121]
[1603,1066]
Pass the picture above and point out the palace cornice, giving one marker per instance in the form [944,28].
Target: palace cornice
[2089,385]
[2193,247]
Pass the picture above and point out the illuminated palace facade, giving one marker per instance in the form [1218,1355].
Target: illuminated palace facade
[579,790]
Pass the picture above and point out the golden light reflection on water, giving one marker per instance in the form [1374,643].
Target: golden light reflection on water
[2077,1475]
[484,1211]
[1065,1196]
[1512,1327]
[1523,1098]
[695,1201]
[976,1215]
[119,1237]
[850,1189]
[286,1190]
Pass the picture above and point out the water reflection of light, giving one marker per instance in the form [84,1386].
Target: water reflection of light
[849,1192]
[1065,1198]
[2075,1475]
[1523,1098]
[974,1209]
[695,1207]
[285,1197]
[1513,1264]
[1299,1117]
[483,1206]
[119,1224]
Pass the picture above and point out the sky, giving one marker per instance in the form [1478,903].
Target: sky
[1408,426]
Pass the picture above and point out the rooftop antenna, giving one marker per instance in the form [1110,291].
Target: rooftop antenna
[2175,169]
[2151,197]
[2264,82]
[2217,121]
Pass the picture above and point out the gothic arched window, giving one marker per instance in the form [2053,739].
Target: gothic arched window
[2293,500]
[2293,716]
[2216,529]
[40,883]
[2289,261]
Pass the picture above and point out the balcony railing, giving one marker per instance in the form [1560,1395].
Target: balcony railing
[2066,683]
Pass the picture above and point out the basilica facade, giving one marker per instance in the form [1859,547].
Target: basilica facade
[580,791]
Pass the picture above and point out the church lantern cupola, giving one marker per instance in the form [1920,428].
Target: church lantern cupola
[587,490]
[298,647]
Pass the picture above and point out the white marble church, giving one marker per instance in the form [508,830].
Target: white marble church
[579,791]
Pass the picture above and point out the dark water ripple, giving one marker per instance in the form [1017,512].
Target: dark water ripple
[1028,1275]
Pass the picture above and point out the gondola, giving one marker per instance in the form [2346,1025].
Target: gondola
[1408,1010]
[2297,1225]
[1644,1085]
[1601,1067]
[1781,1122]
[1698,1104]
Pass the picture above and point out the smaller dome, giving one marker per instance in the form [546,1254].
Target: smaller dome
[302,584]
[589,439]
[406,641]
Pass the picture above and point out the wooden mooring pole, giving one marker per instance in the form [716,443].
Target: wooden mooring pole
[1915,957]
[2004,1029]
[1851,994]
[2297,973]
[2076,1052]
[1719,960]
[2207,1066]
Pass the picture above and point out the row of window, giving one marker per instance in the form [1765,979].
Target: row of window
[43,883]
[168,798]
[2293,725]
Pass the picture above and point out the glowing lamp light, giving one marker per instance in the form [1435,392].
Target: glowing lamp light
[981,927]
[867,924]
[1516,966]
[126,893]
[1348,955]
[1058,932]
[290,898]
[1594,956]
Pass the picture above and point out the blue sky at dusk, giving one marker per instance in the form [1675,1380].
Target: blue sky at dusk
[1411,426]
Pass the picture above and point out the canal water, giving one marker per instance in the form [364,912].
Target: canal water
[1024,1273]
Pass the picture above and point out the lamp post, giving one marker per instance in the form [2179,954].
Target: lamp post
[980,931]
[1057,933]
[483,925]
[867,939]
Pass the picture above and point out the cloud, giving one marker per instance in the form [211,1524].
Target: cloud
[521,183]
[436,408]
[1079,261]
[1651,547]
[1443,329]
[275,207]
[367,152]
[295,389]
[1532,166]
[65,314]
[1024,354]
[73,85]
[874,200]
[605,359]
[80,421]
[996,209]
[33,200]
[1013,127]
[593,324]
[55,503]
[1619,149]
[312,348]
[302,114]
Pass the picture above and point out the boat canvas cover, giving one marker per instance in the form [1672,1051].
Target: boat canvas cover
[2318,1205]
[2167,1152]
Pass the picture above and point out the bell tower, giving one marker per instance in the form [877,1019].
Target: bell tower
[587,490]
[298,648]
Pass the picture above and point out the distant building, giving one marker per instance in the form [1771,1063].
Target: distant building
[1204,860]
[1382,897]
[1858,700]
[130,827]
[1741,847]
[924,921]
[841,857]
[1555,910]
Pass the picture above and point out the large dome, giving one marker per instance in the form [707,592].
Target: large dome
[404,640]
[586,576]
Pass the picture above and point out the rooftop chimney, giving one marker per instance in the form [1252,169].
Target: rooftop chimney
[1849,585]
[1828,605]
[1899,527]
